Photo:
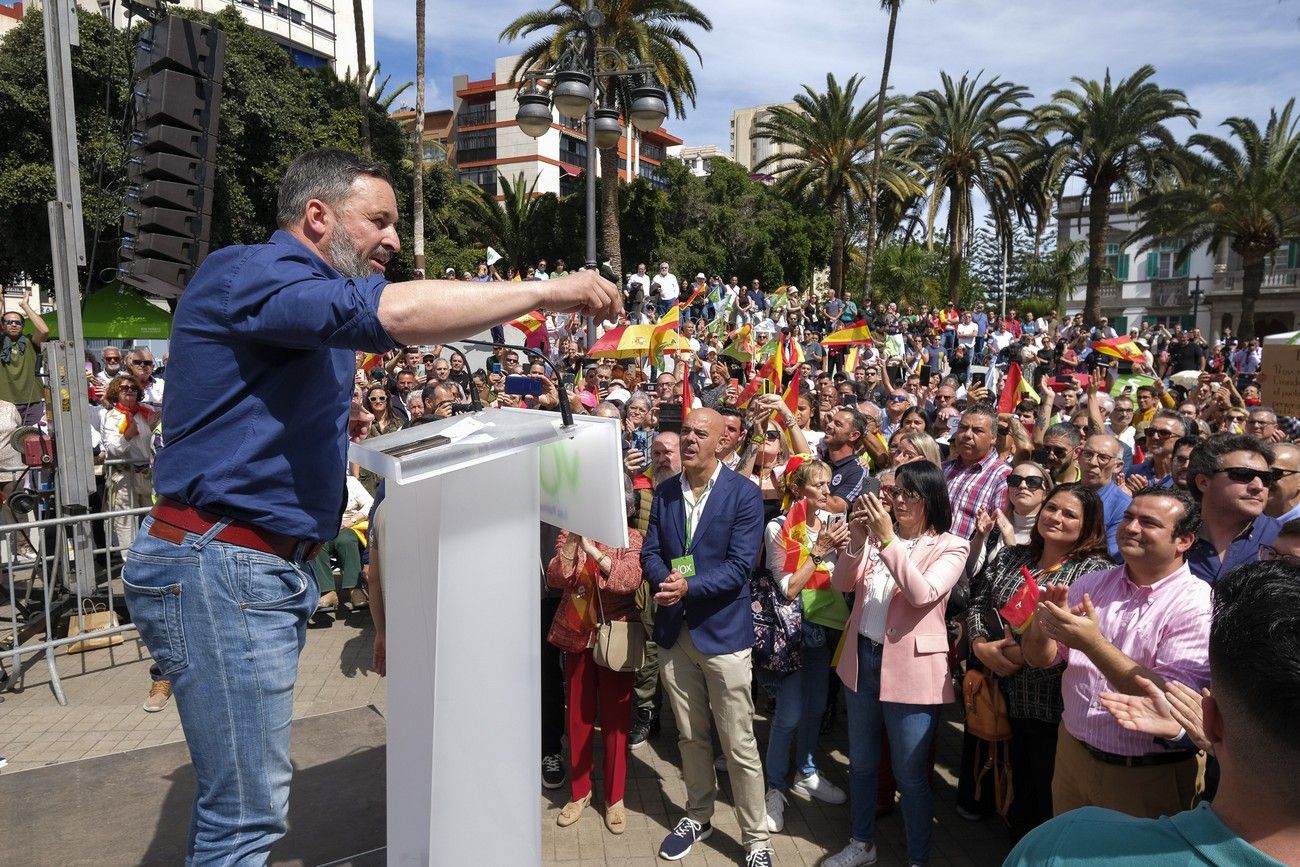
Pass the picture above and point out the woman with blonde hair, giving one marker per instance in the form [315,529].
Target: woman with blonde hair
[908,445]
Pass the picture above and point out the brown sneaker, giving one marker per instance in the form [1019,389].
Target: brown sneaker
[616,818]
[358,600]
[159,694]
[572,811]
[328,602]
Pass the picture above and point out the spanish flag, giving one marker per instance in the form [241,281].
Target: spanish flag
[529,322]
[1018,611]
[1012,389]
[371,361]
[791,351]
[858,332]
[741,347]
[1120,347]
[662,336]
[791,396]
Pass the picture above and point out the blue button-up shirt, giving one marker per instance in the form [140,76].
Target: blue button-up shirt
[1204,561]
[1114,503]
[259,382]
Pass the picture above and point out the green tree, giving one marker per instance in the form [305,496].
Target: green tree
[508,224]
[1113,135]
[641,31]
[913,274]
[1244,192]
[1053,274]
[829,139]
[100,78]
[967,136]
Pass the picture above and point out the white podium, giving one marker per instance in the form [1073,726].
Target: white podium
[462,589]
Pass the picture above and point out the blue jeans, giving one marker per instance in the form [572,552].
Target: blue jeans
[911,729]
[800,701]
[226,624]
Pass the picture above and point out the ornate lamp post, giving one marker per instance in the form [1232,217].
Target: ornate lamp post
[580,84]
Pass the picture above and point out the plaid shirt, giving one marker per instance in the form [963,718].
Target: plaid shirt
[970,488]
[1031,693]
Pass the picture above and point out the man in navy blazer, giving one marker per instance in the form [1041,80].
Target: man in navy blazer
[705,533]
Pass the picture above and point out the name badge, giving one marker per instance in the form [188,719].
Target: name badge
[685,565]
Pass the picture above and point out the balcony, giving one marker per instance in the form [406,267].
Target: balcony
[1280,281]
[1170,293]
[477,116]
[653,151]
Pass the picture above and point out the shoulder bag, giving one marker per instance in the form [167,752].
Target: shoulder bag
[620,644]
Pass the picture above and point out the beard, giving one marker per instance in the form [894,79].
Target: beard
[347,258]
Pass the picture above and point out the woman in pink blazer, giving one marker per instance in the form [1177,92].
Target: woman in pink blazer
[895,657]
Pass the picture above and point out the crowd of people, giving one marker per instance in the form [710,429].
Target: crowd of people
[963,502]
[1123,490]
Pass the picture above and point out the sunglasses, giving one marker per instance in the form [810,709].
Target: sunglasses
[898,398]
[773,435]
[1057,451]
[108,358]
[13,322]
[1245,475]
[900,495]
[142,364]
[378,400]
[1157,433]
[1033,483]
[129,388]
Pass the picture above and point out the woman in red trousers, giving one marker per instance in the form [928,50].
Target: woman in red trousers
[599,583]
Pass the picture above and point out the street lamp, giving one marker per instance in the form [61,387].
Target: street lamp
[1196,294]
[582,82]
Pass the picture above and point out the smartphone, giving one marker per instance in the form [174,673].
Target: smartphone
[978,376]
[849,400]
[735,383]
[523,385]
[835,520]
[494,366]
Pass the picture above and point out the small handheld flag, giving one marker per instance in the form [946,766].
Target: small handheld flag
[1018,611]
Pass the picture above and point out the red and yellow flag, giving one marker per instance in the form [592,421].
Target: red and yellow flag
[529,322]
[662,336]
[740,347]
[1120,347]
[794,535]
[1015,386]
[1018,611]
[791,352]
[858,332]
[371,361]
[791,396]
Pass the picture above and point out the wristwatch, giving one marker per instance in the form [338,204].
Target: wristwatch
[818,558]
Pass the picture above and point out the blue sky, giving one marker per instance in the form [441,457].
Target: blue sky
[1232,58]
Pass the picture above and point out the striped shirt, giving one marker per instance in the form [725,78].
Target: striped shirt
[982,485]
[1164,627]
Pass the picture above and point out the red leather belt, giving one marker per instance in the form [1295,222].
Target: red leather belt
[188,519]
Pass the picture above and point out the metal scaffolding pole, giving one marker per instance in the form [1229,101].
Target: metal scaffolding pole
[66,407]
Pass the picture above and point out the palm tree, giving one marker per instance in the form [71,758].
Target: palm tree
[363,96]
[873,190]
[828,140]
[1113,135]
[508,224]
[968,136]
[417,179]
[1246,194]
[1056,272]
[642,31]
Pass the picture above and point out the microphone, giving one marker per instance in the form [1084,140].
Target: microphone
[566,411]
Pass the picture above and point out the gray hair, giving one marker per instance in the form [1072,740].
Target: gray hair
[326,174]
[107,349]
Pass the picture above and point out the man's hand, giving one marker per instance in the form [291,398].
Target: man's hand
[1160,713]
[359,419]
[672,590]
[633,463]
[584,292]
[1077,628]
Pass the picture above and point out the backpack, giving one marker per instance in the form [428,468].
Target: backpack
[778,625]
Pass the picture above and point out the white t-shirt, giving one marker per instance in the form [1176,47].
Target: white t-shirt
[669,288]
[642,280]
[966,334]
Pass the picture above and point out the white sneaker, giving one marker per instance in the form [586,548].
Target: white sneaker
[856,854]
[816,786]
[775,810]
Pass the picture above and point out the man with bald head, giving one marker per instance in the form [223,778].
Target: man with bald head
[1101,456]
[1284,493]
[705,532]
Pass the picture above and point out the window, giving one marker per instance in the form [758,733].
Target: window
[652,151]
[479,113]
[483,178]
[651,173]
[1293,254]
[1116,263]
[1162,261]
[573,151]
[434,152]
[476,146]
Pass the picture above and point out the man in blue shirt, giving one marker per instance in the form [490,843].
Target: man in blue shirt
[1100,458]
[252,480]
[1249,723]
[1229,475]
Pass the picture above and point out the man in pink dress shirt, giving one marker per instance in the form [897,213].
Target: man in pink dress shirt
[1149,618]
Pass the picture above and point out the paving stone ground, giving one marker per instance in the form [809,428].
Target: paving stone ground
[105,688]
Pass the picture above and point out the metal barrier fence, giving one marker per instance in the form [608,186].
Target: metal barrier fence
[60,570]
